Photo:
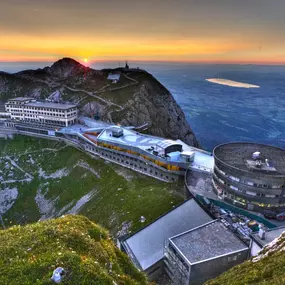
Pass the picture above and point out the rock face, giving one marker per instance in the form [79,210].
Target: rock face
[154,104]
[136,99]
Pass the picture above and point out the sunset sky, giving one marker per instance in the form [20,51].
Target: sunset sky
[243,31]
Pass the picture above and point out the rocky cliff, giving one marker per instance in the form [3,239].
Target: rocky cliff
[137,98]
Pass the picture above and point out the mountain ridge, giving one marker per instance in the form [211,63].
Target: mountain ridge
[137,98]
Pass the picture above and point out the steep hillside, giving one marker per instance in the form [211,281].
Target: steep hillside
[137,98]
[266,268]
[42,179]
[83,249]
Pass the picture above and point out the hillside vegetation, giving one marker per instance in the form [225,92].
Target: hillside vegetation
[268,268]
[43,179]
[30,253]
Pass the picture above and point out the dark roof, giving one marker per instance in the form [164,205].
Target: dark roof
[208,241]
[236,154]
[166,143]
[146,246]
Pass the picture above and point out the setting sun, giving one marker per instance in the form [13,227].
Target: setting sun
[85,59]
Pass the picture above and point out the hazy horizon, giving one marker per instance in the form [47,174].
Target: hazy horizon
[11,67]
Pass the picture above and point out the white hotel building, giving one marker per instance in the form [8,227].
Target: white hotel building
[25,109]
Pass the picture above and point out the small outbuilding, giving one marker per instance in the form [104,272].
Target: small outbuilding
[117,132]
[114,77]
[203,253]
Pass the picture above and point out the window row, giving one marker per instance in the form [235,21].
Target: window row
[246,191]
[138,166]
[247,182]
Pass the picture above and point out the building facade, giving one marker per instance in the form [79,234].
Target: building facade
[25,109]
[251,176]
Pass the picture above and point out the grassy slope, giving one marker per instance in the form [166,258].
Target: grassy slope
[120,195]
[268,270]
[29,254]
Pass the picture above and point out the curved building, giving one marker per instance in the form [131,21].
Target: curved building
[250,175]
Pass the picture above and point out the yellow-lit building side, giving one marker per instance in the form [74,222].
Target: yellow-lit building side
[172,167]
[157,162]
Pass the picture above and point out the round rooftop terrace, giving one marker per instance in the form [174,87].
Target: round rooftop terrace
[239,155]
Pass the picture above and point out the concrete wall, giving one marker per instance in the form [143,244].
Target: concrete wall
[201,272]
[255,248]
[155,271]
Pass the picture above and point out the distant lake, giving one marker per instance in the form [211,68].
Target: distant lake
[218,113]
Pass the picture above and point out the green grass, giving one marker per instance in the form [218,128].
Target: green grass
[120,195]
[268,270]
[29,254]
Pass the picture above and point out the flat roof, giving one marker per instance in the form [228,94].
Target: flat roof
[270,235]
[21,99]
[130,138]
[149,143]
[203,160]
[91,123]
[51,105]
[236,154]
[147,244]
[114,76]
[208,241]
